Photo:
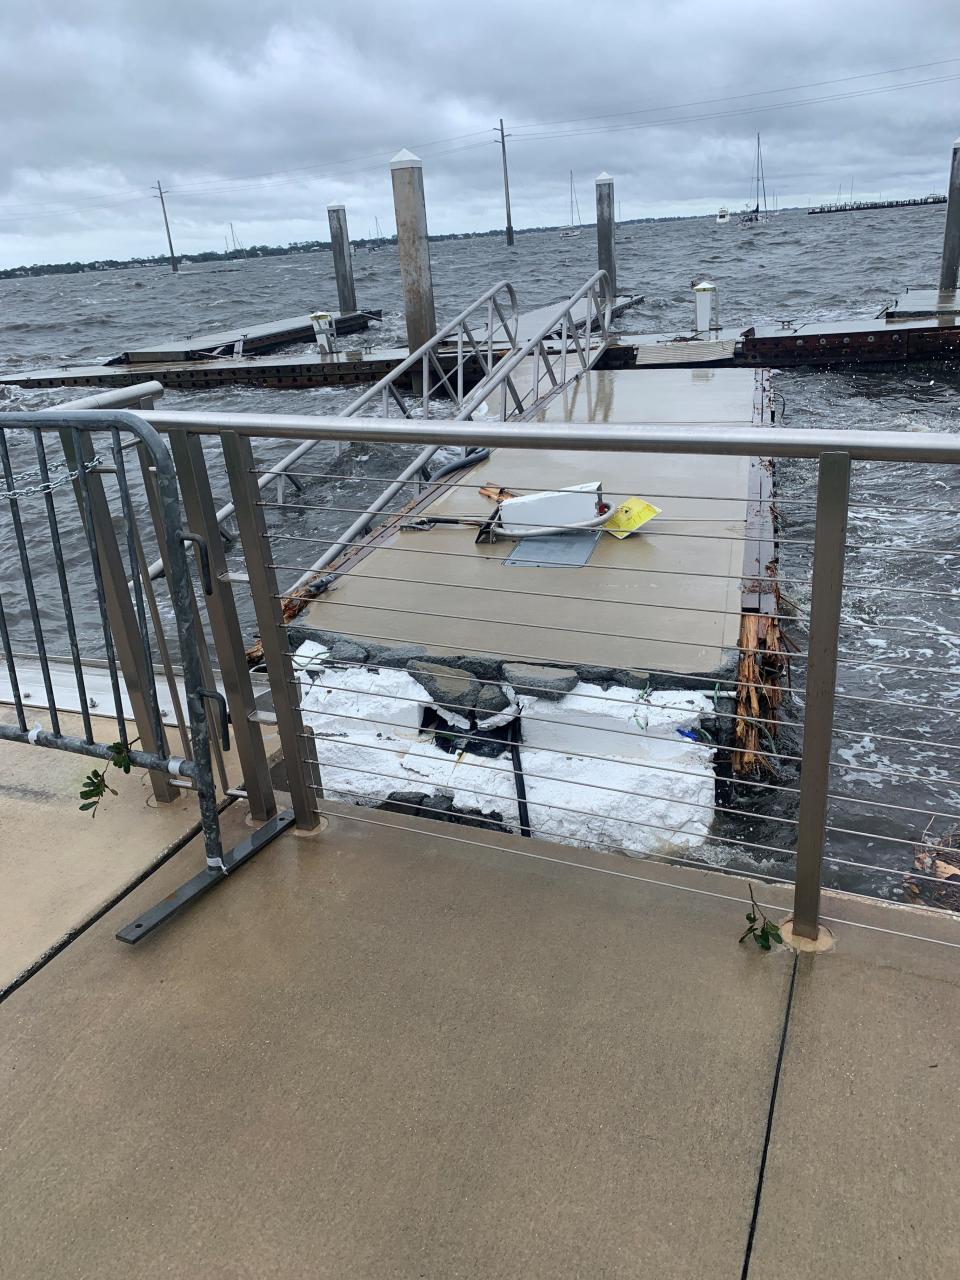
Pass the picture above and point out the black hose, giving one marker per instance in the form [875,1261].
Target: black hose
[514,733]
[458,464]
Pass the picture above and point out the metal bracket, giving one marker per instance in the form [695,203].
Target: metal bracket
[216,696]
[185,535]
[157,915]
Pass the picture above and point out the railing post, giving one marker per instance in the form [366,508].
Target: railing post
[950,262]
[299,755]
[406,172]
[342,264]
[606,231]
[201,513]
[833,490]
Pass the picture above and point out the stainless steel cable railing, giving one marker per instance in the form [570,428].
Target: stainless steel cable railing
[847,771]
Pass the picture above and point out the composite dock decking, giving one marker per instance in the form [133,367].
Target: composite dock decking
[668,598]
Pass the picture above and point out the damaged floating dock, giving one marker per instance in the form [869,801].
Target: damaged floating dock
[255,338]
[194,365]
[922,325]
[613,652]
[687,567]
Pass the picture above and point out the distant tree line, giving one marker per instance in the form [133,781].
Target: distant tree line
[237,255]
[162,260]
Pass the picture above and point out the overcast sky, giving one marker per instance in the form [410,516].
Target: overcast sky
[262,112]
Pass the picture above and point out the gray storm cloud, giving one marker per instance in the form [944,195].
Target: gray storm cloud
[262,114]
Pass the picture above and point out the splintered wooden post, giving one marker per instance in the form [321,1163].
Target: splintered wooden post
[342,262]
[606,254]
[406,172]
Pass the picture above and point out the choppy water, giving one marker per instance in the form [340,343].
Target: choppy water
[901,604]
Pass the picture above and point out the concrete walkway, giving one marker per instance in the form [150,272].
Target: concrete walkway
[58,866]
[396,1050]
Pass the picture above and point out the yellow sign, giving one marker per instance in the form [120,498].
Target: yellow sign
[630,516]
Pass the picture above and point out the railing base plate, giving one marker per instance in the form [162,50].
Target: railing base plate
[158,914]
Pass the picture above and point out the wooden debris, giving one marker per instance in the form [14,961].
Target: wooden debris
[763,660]
[495,492]
[938,857]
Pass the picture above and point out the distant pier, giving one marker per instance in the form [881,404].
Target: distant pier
[852,206]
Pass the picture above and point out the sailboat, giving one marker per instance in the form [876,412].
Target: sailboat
[751,217]
[378,243]
[571,232]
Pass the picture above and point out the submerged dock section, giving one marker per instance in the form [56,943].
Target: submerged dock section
[254,338]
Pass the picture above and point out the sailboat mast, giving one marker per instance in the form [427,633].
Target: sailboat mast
[763,182]
[571,197]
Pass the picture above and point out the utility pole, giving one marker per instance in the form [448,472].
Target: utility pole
[174,264]
[506,182]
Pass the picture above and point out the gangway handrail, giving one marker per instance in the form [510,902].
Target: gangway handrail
[423,353]
[499,376]
[564,320]
[426,357]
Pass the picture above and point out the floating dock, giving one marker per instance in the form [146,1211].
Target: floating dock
[194,366]
[252,339]
[314,369]
[923,324]
[694,565]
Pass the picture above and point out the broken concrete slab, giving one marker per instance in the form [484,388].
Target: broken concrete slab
[542,682]
[447,686]
[491,699]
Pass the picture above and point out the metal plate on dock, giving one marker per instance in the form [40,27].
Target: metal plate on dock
[574,548]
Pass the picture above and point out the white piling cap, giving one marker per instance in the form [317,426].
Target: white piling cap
[704,286]
[406,160]
[334,207]
[604,177]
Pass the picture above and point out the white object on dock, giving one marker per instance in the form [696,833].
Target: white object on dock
[324,330]
[532,513]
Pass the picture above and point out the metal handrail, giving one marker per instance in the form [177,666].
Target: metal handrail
[381,389]
[561,319]
[637,437]
[834,450]
[426,357]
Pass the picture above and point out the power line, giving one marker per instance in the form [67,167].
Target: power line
[736,97]
[741,111]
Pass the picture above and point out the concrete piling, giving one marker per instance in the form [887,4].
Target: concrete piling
[342,262]
[950,263]
[406,172]
[606,230]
